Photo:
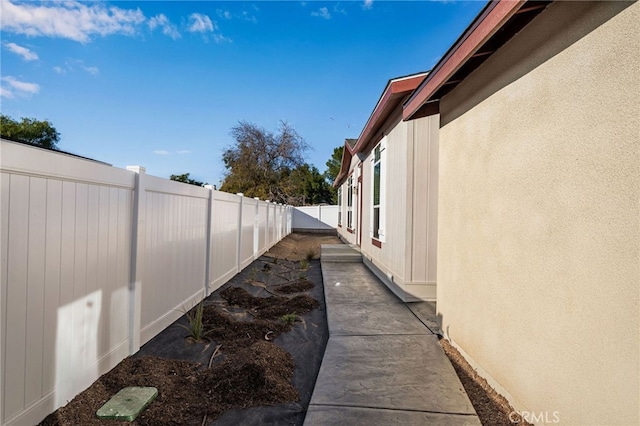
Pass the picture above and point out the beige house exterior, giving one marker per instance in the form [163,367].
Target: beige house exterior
[510,176]
[538,207]
[395,223]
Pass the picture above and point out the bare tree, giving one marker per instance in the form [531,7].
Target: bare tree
[260,163]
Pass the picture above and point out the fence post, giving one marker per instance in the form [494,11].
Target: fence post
[256,230]
[137,258]
[209,243]
[266,228]
[239,251]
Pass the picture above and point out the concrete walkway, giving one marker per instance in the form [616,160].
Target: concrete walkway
[383,364]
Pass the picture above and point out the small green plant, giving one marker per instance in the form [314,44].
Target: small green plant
[195,327]
[311,254]
[304,264]
[275,260]
[253,274]
[289,319]
[302,276]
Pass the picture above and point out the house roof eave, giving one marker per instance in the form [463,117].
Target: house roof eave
[494,26]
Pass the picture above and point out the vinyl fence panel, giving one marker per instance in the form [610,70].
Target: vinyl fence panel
[176,218]
[60,220]
[224,238]
[248,220]
[96,261]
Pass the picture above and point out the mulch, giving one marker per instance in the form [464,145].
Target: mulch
[492,408]
[243,364]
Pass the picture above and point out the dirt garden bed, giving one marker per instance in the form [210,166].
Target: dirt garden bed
[266,336]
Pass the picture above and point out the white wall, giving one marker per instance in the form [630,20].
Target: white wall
[406,258]
[315,217]
[97,260]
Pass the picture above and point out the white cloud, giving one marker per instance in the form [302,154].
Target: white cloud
[81,22]
[167,27]
[339,9]
[91,70]
[368,4]
[22,88]
[244,16]
[73,64]
[248,17]
[199,23]
[224,14]
[219,38]
[6,93]
[323,12]
[161,152]
[26,54]
[69,19]
[183,151]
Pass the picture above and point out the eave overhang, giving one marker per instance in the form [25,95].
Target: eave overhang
[496,24]
[392,97]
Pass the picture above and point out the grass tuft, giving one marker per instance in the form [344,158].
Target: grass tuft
[289,319]
[195,327]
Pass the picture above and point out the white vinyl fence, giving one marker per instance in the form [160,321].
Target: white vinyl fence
[96,260]
[315,218]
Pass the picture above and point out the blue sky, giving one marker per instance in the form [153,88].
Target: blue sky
[160,84]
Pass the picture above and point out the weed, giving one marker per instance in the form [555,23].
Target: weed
[311,254]
[302,276]
[275,260]
[195,327]
[289,319]
[253,274]
[304,264]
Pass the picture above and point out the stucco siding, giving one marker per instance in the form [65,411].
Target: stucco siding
[538,221]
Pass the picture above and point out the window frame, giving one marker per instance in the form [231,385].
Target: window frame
[378,210]
[350,202]
[340,206]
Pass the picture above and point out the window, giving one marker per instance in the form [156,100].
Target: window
[340,206]
[378,188]
[350,202]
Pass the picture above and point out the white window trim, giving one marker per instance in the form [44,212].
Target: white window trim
[383,190]
[350,207]
[340,204]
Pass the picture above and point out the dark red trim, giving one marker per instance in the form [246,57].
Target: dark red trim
[391,99]
[376,243]
[490,21]
[351,231]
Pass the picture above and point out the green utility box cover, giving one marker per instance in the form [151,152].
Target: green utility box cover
[128,403]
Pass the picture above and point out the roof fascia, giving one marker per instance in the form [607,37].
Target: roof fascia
[395,90]
[488,22]
[393,93]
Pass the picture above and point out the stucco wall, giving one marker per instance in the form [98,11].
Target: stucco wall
[538,223]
